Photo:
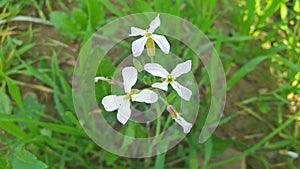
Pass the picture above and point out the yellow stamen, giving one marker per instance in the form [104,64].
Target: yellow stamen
[170,79]
[129,95]
[150,45]
[148,34]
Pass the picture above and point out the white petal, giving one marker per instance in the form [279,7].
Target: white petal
[182,68]
[154,24]
[185,125]
[129,78]
[293,154]
[137,31]
[162,86]
[182,91]
[96,79]
[138,46]
[124,112]
[147,96]
[162,42]
[112,102]
[156,70]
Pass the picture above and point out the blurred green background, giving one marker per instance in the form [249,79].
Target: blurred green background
[257,41]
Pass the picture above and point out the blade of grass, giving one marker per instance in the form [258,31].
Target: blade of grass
[51,126]
[160,161]
[193,164]
[244,70]
[13,129]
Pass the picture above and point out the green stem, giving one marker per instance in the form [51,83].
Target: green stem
[152,59]
[158,121]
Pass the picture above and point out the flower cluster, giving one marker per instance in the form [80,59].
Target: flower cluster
[122,103]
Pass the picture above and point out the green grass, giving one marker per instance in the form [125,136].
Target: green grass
[250,36]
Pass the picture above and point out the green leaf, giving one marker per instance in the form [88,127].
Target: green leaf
[110,158]
[220,145]
[3,163]
[25,48]
[55,70]
[270,9]
[283,11]
[106,69]
[297,5]
[80,17]
[111,7]
[208,152]
[160,161]
[23,159]
[13,129]
[31,105]
[64,23]
[158,5]
[14,91]
[193,157]
[5,106]
[96,13]
[3,2]
[144,6]
[244,70]
[72,117]
[279,144]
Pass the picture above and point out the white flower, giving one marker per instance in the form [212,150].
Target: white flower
[293,154]
[289,153]
[111,81]
[96,79]
[180,120]
[170,78]
[122,103]
[148,39]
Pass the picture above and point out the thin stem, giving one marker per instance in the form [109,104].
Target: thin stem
[152,59]
[27,19]
[158,121]
[38,87]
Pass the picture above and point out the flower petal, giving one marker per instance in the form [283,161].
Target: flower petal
[124,112]
[182,68]
[137,31]
[112,102]
[293,154]
[129,78]
[96,79]
[182,91]
[162,42]
[154,24]
[185,125]
[138,46]
[156,70]
[162,86]
[147,96]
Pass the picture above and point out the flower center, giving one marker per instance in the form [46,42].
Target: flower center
[170,79]
[148,34]
[129,95]
[150,47]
